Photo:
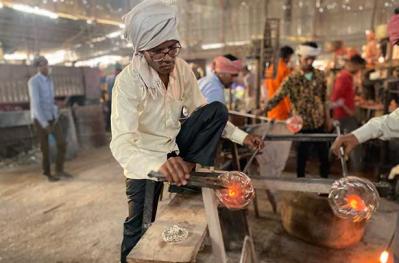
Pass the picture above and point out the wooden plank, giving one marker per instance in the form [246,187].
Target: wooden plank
[185,211]
[215,231]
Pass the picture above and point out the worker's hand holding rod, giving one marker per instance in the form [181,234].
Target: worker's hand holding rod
[341,153]
[208,180]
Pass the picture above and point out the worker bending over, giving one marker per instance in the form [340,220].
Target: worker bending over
[148,100]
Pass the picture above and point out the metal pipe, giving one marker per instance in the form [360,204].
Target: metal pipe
[341,152]
[271,124]
[252,116]
[311,137]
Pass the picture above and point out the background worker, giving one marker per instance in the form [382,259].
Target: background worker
[45,117]
[306,89]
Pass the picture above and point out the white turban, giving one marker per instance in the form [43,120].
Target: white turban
[308,51]
[148,25]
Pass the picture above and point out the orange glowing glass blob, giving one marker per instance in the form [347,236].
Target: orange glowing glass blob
[355,202]
[294,124]
[239,190]
[384,257]
[353,198]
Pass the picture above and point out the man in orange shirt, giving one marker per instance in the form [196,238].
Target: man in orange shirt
[274,156]
[272,84]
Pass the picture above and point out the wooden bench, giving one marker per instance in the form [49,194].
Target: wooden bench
[184,210]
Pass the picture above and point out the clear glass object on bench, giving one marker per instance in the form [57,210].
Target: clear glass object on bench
[353,198]
[239,190]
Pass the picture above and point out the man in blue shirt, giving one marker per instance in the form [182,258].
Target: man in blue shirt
[225,69]
[44,114]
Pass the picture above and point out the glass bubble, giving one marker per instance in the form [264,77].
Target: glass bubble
[294,124]
[353,198]
[239,190]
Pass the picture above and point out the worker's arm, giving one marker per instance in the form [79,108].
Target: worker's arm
[384,128]
[281,93]
[342,86]
[34,94]
[136,162]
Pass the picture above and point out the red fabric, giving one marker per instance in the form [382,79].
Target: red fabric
[393,29]
[343,89]
[224,65]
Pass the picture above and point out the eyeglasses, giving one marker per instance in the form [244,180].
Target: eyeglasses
[159,55]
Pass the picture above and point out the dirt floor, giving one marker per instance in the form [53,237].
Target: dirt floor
[74,220]
[80,220]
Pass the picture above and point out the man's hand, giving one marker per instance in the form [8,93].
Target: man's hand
[176,170]
[348,141]
[254,142]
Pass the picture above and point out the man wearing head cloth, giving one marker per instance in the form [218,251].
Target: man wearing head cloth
[306,89]
[148,100]
[45,115]
[224,70]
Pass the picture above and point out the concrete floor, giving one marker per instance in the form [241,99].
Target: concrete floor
[80,220]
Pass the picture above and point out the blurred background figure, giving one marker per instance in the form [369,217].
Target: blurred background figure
[110,81]
[45,116]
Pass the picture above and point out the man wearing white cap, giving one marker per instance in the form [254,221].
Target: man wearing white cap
[306,88]
[148,100]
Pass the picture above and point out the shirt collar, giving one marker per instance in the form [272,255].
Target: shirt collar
[43,77]
[215,78]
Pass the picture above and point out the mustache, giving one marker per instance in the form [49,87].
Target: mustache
[167,63]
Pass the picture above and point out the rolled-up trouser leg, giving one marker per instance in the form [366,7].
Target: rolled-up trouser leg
[132,228]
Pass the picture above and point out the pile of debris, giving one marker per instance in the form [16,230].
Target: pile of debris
[30,157]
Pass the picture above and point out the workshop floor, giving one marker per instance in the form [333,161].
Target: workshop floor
[80,220]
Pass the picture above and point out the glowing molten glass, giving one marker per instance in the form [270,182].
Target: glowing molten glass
[294,124]
[239,190]
[353,197]
[384,257]
[355,202]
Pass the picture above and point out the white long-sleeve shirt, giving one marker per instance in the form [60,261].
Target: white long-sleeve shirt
[384,128]
[144,128]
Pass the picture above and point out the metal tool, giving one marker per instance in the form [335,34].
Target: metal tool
[269,194]
[266,132]
[301,137]
[309,185]
[200,179]
[252,116]
[341,151]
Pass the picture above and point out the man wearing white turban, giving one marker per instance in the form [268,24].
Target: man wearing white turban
[306,88]
[151,96]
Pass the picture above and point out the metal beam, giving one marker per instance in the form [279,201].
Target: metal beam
[311,185]
[312,137]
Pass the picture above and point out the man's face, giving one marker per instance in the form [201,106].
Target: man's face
[306,62]
[353,67]
[227,78]
[43,68]
[162,58]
